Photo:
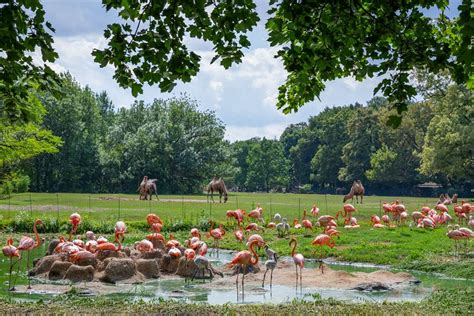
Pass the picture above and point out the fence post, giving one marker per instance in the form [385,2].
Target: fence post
[90,209]
[149,205]
[9,205]
[380,208]
[57,208]
[299,208]
[182,208]
[210,209]
[271,210]
[31,207]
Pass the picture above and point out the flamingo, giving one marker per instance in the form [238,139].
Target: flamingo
[172,242]
[156,227]
[11,251]
[471,221]
[386,219]
[239,235]
[145,246]
[270,264]
[455,235]
[28,244]
[296,224]
[283,228]
[152,219]
[81,256]
[298,259]
[217,234]
[107,246]
[102,240]
[306,223]
[252,226]
[315,210]
[244,258]
[325,220]
[174,252]
[348,209]
[90,235]
[202,264]
[75,220]
[255,238]
[256,214]
[195,233]
[120,229]
[323,240]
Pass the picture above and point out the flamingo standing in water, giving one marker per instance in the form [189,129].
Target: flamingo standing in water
[298,259]
[323,240]
[28,244]
[244,258]
[75,220]
[11,251]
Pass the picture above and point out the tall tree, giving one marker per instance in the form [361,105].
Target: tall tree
[267,166]
[449,140]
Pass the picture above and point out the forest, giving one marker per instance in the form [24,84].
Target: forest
[89,145]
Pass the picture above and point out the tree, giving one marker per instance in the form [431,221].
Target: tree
[240,151]
[330,128]
[267,166]
[363,137]
[170,140]
[317,40]
[449,140]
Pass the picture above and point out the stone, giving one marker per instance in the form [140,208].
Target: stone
[148,267]
[77,273]
[169,264]
[119,269]
[44,264]
[372,286]
[58,270]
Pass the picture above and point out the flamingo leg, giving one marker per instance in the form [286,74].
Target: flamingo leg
[17,272]
[301,279]
[10,274]
[296,269]
[27,269]
[264,275]
[271,279]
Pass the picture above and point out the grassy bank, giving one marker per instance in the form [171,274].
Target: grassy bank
[450,302]
[402,247]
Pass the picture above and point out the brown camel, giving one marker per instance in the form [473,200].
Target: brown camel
[356,190]
[217,185]
[148,187]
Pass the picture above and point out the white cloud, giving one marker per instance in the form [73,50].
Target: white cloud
[271,131]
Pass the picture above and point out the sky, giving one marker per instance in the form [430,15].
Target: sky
[243,97]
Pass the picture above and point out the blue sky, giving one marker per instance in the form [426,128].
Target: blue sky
[243,96]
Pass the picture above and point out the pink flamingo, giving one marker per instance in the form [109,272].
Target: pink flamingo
[315,210]
[244,259]
[195,233]
[296,224]
[28,244]
[256,237]
[348,210]
[298,259]
[325,220]
[120,229]
[217,234]
[306,223]
[75,220]
[145,246]
[239,235]
[320,241]
[386,219]
[11,251]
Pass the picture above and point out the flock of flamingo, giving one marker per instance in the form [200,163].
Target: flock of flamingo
[195,249]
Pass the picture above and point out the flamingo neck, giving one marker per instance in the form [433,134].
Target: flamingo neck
[119,246]
[294,242]
[38,240]
[252,262]
[304,215]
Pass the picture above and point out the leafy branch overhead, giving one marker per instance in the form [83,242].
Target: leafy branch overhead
[150,46]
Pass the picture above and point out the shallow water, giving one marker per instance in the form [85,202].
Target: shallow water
[177,289]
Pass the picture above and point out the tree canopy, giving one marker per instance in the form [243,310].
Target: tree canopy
[317,41]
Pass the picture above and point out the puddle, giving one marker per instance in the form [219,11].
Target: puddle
[170,287]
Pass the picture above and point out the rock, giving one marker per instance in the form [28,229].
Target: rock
[156,254]
[186,268]
[372,286]
[90,260]
[102,265]
[58,270]
[77,273]
[169,264]
[119,269]
[52,245]
[127,251]
[104,254]
[44,264]
[148,267]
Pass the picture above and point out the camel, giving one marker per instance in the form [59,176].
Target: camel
[148,187]
[356,190]
[217,185]
[446,200]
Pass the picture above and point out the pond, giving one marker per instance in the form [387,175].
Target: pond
[203,291]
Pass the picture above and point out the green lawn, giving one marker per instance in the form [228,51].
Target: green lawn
[401,247]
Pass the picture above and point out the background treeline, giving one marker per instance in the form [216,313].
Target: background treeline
[105,149]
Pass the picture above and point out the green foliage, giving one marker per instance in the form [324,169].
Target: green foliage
[449,138]
[149,46]
[24,31]
[325,40]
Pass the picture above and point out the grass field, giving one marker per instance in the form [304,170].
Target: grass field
[401,247]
